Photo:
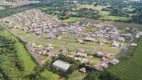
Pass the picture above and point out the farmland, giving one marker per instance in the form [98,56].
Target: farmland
[127,68]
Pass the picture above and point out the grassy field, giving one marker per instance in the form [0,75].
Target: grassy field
[71,19]
[104,13]
[99,8]
[76,76]
[49,75]
[130,69]
[114,18]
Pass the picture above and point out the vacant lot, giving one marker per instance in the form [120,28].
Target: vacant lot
[71,19]
[115,18]
[130,69]
[76,75]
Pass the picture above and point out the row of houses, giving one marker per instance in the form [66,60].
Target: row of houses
[40,49]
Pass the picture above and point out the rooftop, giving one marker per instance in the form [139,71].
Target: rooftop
[61,65]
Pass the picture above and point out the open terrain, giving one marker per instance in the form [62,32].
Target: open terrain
[130,69]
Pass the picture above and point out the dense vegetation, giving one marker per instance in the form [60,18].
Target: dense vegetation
[11,63]
[112,10]
[17,63]
[94,75]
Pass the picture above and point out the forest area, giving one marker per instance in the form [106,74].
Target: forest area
[106,10]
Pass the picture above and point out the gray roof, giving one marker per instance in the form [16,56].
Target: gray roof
[61,65]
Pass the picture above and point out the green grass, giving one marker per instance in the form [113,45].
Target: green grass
[99,8]
[49,75]
[71,19]
[2,8]
[22,54]
[105,13]
[115,18]
[76,76]
[130,69]
[42,57]
[93,47]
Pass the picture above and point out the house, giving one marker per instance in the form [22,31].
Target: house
[133,44]
[61,65]
[83,70]
[71,1]
[99,54]
[121,39]
[82,60]
[89,39]
[123,46]
[104,65]
[80,42]
[115,44]
[79,54]
[100,26]
[114,61]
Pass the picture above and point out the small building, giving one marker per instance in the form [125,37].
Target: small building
[114,61]
[89,39]
[99,54]
[61,65]
[115,44]
[121,39]
[133,44]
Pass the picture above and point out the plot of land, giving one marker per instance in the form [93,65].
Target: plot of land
[71,19]
[99,8]
[77,76]
[127,68]
[115,18]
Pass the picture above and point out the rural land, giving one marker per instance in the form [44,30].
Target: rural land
[70,39]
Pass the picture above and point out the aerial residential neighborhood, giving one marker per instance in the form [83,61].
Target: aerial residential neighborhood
[70,40]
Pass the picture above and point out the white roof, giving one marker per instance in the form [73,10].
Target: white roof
[61,64]
[114,61]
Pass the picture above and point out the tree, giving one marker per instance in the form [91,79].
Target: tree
[36,75]
[92,76]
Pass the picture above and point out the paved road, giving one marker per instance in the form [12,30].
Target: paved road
[34,55]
